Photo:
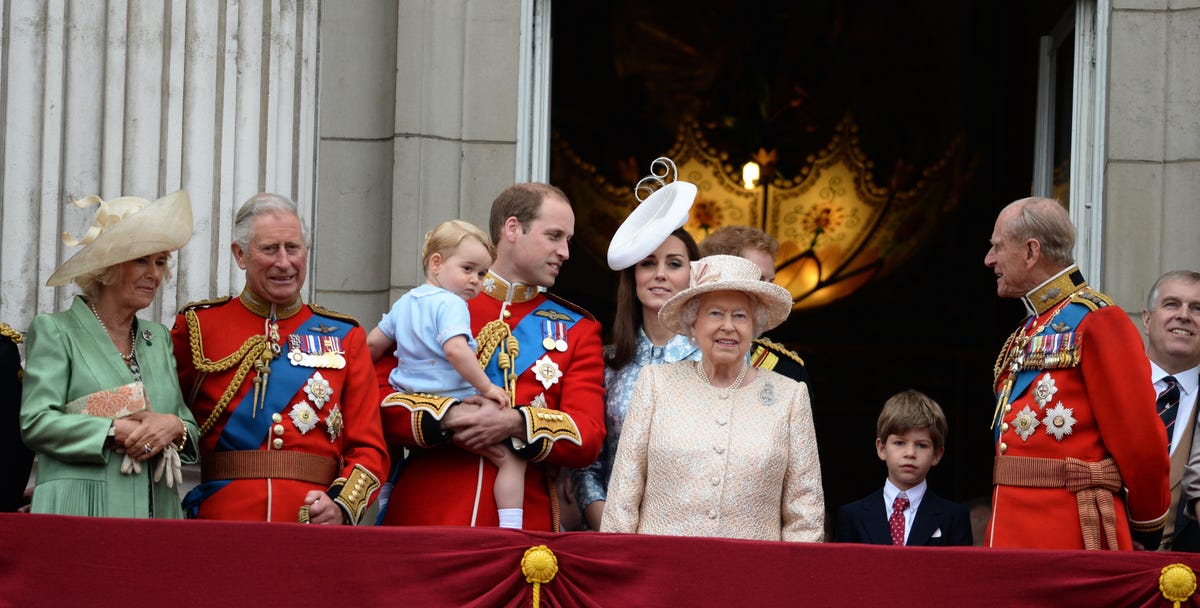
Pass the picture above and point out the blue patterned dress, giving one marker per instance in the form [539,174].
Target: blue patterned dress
[591,483]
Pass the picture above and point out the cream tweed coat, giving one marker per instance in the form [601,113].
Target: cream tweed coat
[696,460]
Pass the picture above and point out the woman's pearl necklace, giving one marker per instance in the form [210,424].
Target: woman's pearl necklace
[132,335]
[724,394]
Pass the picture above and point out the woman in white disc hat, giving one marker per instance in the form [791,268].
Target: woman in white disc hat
[652,252]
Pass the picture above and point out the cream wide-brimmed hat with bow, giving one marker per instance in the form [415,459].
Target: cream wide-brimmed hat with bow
[124,229]
[728,273]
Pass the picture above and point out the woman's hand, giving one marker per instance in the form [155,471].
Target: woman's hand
[122,428]
[152,434]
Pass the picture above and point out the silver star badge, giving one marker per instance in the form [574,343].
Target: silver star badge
[1025,422]
[1044,391]
[1059,421]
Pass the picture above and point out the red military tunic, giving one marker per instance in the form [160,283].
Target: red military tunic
[1086,398]
[442,484]
[341,428]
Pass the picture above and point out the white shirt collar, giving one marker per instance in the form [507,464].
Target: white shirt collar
[914,495]
[1188,379]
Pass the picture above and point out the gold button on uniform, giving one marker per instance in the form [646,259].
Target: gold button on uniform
[1004,427]
[1003,447]
[277,443]
[278,430]
[277,418]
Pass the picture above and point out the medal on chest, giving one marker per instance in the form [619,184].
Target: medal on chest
[1044,391]
[554,335]
[306,350]
[547,371]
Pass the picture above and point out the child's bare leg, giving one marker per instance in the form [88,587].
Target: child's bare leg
[510,486]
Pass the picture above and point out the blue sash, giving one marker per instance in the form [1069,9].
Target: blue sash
[245,429]
[528,333]
[1070,315]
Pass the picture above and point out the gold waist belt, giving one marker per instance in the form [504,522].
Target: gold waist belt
[1093,484]
[263,464]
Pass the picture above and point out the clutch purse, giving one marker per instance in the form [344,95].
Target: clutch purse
[117,402]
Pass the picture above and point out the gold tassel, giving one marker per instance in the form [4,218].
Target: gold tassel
[1177,583]
[497,335]
[539,565]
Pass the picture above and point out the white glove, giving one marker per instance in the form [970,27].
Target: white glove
[171,465]
[129,466]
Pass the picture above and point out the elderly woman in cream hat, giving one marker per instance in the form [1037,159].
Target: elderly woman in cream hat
[717,447]
[101,404]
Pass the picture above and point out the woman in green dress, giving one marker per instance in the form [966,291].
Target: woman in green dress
[101,404]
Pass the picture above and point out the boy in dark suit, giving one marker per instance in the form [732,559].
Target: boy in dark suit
[910,438]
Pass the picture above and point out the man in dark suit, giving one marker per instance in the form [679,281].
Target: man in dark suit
[17,459]
[911,435]
[1171,322]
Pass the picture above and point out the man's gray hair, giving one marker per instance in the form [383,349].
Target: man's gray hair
[1047,221]
[261,204]
[1188,276]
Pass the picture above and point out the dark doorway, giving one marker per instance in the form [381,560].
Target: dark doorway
[916,76]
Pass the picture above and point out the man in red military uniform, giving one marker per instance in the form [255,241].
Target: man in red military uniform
[545,351]
[1080,450]
[284,392]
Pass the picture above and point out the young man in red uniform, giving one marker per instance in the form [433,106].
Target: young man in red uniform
[284,391]
[545,351]
[1081,460]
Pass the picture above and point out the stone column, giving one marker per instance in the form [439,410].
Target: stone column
[1152,208]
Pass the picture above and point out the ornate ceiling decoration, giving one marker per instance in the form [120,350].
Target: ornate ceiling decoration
[838,228]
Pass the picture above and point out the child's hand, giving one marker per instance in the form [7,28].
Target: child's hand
[497,394]
[495,453]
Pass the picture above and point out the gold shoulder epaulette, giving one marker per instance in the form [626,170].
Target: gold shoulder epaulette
[12,334]
[569,304]
[205,303]
[779,349]
[336,315]
[1092,299]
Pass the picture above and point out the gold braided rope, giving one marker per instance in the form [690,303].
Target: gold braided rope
[491,337]
[243,357]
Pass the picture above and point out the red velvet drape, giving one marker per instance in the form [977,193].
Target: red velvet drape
[64,561]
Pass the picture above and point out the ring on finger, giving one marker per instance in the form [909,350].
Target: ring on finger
[147,449]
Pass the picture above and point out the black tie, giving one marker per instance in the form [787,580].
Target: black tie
[1168,406]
